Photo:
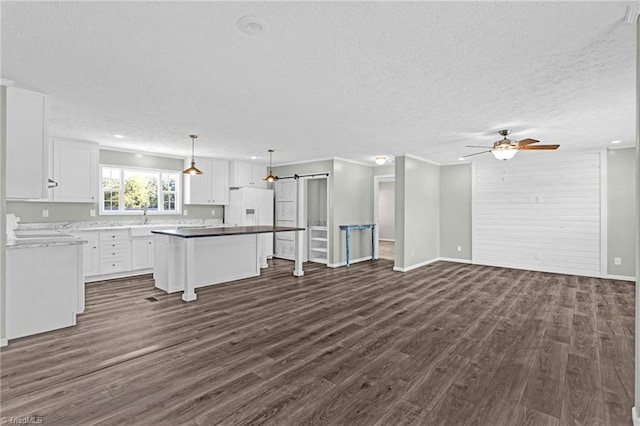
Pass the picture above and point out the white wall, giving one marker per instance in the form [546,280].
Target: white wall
[417,214]
[539,211]
[386,210]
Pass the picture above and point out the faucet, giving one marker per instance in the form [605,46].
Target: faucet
[144,213]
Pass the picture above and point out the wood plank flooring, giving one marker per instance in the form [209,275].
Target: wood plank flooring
[447,344]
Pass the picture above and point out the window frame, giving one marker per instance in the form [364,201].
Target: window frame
[159,173]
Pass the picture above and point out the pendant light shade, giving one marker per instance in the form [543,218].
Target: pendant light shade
[193,170]
[270,177]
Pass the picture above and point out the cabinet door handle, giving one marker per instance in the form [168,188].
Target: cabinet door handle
[113,245]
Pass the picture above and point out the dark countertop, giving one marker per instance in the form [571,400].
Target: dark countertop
[219,232]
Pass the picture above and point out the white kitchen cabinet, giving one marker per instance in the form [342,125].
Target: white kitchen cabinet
[43,297]
[211,187]
[27,162]
[115,251]
[91,252]
[75,169]
[243,174]
[141,253]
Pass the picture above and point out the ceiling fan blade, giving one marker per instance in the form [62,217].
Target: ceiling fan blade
[477,153]
[476,146]
[540,147]
[525,142]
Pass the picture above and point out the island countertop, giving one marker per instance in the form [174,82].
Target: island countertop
[219,232]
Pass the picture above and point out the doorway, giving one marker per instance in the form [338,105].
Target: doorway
[303,201]
[384,216]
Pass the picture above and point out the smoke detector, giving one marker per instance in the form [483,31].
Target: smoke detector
[252,25]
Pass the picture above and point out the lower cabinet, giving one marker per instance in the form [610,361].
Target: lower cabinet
[115,252]
[118,251]
[91,252]
[141,253]
[44,289]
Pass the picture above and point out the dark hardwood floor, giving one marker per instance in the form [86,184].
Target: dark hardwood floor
[448,344]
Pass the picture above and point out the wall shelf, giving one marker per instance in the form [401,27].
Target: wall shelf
[318,244]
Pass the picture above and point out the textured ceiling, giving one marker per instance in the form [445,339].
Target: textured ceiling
[346,79]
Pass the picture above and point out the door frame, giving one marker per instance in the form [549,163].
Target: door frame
[376,188]
[304,214]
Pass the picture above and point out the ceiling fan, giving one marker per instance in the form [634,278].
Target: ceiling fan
[505,149]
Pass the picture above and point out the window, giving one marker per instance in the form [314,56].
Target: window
[130,190]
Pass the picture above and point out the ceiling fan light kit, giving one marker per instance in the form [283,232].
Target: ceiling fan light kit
[506,149]
[502,153]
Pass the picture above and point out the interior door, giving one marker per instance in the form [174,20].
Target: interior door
[286,215]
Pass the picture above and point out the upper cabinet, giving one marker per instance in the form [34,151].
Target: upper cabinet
[243,174]
[75,169]
[27,154]
[209,188]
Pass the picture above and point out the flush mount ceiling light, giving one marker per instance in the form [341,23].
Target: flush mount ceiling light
[193,170]
[252,25]
[616,142]
[118,136]
[380,160]
[270,177]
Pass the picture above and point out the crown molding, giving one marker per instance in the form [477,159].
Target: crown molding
[415,157]
[633,11]
[5,82]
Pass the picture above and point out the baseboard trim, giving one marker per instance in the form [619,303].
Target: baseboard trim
[619,277]
[635,416]
[3,342]
[417,265]
[453,259]
[351,262]
[116,275]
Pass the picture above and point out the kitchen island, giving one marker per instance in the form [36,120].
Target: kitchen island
[185,259]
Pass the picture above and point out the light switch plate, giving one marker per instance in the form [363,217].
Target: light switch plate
[45,213]
[185,212]
[617,261]
[92,213]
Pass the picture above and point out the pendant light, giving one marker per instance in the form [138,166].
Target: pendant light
[193,170]
[270,177]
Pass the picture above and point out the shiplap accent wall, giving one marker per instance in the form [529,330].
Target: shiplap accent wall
[541,212]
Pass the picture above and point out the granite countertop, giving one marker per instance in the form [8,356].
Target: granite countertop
[50,234]
[112,225]
[43,238]
[219,232]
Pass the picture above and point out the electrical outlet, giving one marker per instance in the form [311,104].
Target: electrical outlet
[413,253]
[213,212]
[617,261]
[92,213]
[185,212]
[538,255]
[45,213]
[459,249]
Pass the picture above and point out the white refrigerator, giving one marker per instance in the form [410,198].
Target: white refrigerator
[251,207]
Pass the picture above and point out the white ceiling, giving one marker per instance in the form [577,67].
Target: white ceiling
[347,79]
